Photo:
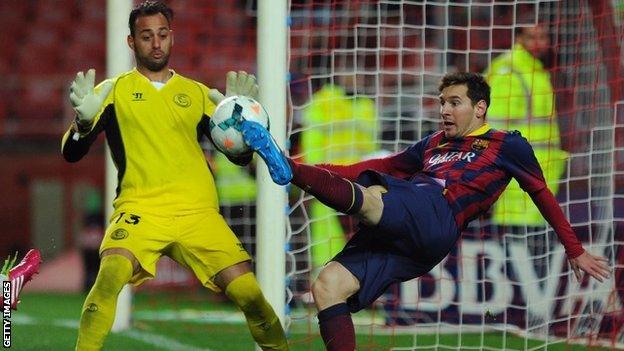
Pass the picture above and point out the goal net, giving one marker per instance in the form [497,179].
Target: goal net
[363,83]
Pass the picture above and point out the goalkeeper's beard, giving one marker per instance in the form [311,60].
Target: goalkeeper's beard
[152,64]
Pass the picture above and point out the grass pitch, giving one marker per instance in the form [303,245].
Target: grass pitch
[174,322]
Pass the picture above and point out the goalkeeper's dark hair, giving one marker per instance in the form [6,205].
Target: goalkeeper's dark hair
[478,88]
[149,8]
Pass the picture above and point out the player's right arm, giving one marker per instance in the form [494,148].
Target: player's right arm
[89,103]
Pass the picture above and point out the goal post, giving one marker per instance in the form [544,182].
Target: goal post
[118,60]
[271,202]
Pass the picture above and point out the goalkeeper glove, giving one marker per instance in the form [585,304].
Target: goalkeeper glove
[85,100]
[237,83]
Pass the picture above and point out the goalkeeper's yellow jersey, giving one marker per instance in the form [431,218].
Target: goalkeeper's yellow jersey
[153,136]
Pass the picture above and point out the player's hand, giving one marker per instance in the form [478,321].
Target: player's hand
[596,266]
[84,99]
[236,83]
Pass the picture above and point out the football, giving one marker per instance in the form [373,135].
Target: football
[223,123]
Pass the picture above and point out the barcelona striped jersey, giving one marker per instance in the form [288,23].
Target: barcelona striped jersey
[474,170]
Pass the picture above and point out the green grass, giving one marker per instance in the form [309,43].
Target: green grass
[173,322]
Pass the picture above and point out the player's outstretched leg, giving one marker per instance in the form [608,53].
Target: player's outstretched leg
[21,274]
[260,140]
[330,188]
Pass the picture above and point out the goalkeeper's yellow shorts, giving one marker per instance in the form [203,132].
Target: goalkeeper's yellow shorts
[202,242]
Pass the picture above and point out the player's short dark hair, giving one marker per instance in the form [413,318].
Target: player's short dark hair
[149,8]
[478,88]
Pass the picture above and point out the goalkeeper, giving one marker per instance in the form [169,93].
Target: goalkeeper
[414,204]
[166,200]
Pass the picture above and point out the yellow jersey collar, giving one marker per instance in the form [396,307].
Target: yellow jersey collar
[481,130]
[172,74]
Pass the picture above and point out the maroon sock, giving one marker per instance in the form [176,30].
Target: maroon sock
[337,328]
[328,187]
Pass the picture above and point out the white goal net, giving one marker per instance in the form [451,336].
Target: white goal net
[364,78]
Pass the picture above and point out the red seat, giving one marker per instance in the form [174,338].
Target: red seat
[3,115]
[41,97]
[91,11]
[80,57]
[55,12]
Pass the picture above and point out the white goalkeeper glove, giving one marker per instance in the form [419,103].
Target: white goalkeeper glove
[85,100]
[236,83]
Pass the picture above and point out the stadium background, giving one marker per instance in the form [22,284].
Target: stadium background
[47,202]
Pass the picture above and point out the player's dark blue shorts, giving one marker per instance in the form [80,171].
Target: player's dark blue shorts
[416,231]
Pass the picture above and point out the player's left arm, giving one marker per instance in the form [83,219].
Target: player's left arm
[237,83]
[521,162]
[204,128]
[596,266]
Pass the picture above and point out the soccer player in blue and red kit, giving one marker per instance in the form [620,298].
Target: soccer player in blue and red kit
[414,204]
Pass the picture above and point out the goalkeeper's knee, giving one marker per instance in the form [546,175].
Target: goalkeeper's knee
[263,323]
[244,292]
[115,271]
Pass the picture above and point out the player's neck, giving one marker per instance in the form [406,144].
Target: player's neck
[161,76]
